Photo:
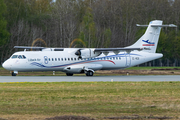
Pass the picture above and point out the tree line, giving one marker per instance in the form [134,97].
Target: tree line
[98,23]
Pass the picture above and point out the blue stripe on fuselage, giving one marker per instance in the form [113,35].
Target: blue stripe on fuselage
[81,62]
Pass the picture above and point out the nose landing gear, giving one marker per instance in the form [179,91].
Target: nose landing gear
[14,73]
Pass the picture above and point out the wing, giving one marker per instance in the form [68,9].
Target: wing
[27,47]
[39,48]
[84,52]
[116,50]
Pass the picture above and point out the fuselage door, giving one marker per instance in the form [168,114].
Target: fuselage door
[128,60]
[45,60]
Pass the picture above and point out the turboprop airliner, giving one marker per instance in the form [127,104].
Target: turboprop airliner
[88,60]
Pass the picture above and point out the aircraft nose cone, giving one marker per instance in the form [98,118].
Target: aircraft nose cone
[6,65]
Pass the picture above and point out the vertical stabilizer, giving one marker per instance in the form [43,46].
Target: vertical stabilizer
[150,38]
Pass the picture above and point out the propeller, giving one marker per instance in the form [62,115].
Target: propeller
[38,43]
[78,53]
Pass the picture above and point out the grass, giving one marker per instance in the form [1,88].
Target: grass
[93,99]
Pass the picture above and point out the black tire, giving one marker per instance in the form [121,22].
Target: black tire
[13,74]
[89,73]
[69,74]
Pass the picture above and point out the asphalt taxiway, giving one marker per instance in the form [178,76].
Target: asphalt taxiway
[89,79]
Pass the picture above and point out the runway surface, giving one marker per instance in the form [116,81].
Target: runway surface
[88,79]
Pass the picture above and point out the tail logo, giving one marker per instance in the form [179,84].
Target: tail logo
[148,43]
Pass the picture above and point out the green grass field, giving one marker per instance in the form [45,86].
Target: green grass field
[93,99]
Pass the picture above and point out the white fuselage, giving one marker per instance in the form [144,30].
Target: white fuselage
[88,60]
[68,62]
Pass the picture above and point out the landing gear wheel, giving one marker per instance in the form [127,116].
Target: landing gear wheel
[69,74]
[13,74]
[89,73]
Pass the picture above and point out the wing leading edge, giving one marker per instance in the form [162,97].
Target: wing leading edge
[115,49]
[39,48]
[27,47]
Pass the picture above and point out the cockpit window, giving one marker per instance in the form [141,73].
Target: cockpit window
[14,56]
[18,56]
[23,56]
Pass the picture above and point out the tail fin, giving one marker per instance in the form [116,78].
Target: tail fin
[149,40]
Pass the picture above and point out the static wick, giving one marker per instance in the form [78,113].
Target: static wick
[111,80]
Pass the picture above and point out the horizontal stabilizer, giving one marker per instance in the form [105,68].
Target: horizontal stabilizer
[170,25]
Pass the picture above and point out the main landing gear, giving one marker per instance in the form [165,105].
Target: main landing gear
[89,73]
[69,74]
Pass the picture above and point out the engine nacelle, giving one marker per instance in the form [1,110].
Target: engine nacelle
[87,53]
[73,69]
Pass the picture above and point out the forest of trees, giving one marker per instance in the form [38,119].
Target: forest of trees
[98,23]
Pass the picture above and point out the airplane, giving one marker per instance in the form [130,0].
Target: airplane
[88,60]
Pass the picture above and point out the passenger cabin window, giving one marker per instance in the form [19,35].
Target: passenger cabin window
[58,59]
[49,59]
[52,59]
[55,59]
[62,59]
